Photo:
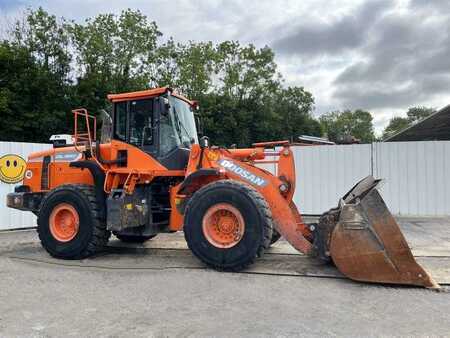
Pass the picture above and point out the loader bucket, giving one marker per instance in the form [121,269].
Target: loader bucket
[366,243]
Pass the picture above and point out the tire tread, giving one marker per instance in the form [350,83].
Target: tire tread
[262,206]
[100,235]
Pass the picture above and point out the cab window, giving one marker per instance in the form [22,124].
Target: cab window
[141,122]
[133,122]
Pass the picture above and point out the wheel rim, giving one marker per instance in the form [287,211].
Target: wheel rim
[223,225]
[64,222]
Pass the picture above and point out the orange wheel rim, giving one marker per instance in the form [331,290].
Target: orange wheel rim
[223,225]
[64,222]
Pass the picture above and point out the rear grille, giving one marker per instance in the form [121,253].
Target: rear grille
[44,174]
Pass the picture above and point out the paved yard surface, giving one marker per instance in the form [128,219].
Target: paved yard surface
[160,290]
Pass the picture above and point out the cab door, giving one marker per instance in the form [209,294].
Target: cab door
[134,123]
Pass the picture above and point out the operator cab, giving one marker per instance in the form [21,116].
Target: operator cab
[157,121]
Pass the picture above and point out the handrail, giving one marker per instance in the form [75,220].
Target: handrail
[83,137]
[87,138]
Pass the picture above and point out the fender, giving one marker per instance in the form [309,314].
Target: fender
[99,180]
[195,177]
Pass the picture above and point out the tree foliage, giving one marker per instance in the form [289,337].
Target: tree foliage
[111,54]
[413,115]
[35,83]
[338,125]
[396,124]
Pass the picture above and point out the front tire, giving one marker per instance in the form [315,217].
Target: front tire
[69,224]
[227,225]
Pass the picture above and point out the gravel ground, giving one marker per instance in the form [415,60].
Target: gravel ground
[45,300]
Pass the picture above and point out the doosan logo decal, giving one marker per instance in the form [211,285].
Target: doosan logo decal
[67,157]
[245,174]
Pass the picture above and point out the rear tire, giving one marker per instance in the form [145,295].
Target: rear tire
[133,238]
[253,219]
[79,202]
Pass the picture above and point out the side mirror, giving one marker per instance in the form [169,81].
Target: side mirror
[204,142]
[165,106]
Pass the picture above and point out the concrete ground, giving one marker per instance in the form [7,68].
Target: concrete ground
[160,290]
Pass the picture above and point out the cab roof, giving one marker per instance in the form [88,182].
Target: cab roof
[148,93]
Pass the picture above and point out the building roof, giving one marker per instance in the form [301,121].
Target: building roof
[314,140]
[435,127]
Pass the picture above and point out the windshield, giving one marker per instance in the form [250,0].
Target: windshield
[177,128]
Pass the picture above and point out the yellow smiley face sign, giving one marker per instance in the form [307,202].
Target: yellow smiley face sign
[12,168]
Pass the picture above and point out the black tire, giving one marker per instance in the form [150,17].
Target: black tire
[92,235]
[275,237]
[256,215]
[133,238]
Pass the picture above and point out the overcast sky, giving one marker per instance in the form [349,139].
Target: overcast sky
[379,55]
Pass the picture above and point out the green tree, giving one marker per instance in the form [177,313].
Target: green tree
[235,85]
[413,115]
[188,67]
[34,79]
[294,107]
[245,71]
[338,125]
[46,40]
[396,124]
[112,55]
[248,84]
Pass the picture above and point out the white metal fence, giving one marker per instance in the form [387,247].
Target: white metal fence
[325,173]
[11,218]
[416,177]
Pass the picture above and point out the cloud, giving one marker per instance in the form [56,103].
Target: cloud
[433,5]
[8,5]
[406,62]
[383,56]
[313,38]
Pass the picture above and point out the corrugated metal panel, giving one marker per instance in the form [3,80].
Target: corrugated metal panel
[11,218]
[415,176]
[271,167]
[325,173]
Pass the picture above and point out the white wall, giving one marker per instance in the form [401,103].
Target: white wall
[415,175]
[11,218]
[325,173]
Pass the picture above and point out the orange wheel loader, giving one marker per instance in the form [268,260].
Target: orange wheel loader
[148,173]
